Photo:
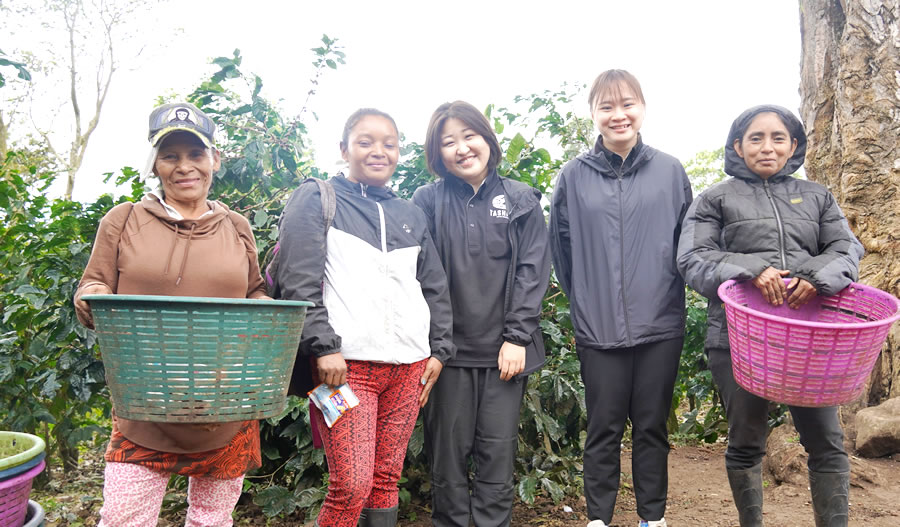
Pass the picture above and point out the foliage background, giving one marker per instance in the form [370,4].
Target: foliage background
[53,380]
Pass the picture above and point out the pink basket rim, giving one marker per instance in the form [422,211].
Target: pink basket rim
[809,324]
[23,477]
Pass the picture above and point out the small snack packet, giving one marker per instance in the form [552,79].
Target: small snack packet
[333,402]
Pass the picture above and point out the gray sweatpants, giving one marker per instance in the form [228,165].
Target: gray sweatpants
[819,428]
[472,413]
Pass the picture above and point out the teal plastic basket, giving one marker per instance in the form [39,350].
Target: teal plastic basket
[197,360]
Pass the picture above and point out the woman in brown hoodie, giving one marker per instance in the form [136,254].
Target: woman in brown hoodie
[175,242]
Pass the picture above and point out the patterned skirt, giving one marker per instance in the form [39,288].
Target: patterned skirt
[239,456]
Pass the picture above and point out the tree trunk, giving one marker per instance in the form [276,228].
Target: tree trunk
[850,105]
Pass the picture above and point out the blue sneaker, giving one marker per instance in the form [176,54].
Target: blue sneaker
[658,523]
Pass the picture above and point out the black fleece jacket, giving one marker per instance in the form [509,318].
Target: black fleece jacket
[526,275]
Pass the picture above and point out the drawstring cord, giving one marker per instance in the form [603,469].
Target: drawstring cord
[172,251]
[187,248]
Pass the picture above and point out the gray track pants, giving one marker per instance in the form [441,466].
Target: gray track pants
[472,413]
[819,428]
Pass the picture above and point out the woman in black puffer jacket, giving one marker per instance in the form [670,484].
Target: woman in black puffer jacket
[763,225]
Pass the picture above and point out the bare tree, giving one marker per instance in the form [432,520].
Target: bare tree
[850,90]
[93,35]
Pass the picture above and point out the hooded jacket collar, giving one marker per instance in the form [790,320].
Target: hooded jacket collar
[201,227]
[735,165]
[342,184]
[614,158]
[598,159]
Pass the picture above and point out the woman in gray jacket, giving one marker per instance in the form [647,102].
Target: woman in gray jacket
[764,225]
[614,223]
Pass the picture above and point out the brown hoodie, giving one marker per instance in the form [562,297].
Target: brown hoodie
[212,256]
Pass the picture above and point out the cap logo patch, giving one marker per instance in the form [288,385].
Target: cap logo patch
[181,115]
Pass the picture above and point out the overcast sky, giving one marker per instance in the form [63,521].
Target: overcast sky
[700,63]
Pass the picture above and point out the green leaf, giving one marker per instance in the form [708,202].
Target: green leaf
[50,386]
[260,218]
[556,492]
[516,145]
[309,497]
[543,155]
[28,289]
[257,85]
[527,488]
[270,451]
[275,500]
[223,62]
[11,310]
[295,429]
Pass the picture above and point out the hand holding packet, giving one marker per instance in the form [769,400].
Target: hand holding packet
[332,401]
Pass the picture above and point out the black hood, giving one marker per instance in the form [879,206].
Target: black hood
[735,165]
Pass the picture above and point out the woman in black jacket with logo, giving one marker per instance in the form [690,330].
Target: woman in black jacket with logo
[764,225]
[492,239]
[614,226]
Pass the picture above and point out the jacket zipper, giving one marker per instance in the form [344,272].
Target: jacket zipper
[622,255]
[388,310]
[514,250]
[777,222]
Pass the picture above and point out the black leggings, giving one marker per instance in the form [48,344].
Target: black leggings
[819,428]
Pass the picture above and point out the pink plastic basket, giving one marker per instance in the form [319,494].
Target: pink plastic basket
[14,494]
[818,355]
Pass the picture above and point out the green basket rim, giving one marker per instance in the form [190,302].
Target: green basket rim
[21,457]
[197,300]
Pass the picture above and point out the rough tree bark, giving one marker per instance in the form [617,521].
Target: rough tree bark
[850,105]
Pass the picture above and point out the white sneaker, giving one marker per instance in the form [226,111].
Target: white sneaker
[596,523]
[658,523]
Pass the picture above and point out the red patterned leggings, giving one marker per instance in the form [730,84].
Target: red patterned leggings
[366,447]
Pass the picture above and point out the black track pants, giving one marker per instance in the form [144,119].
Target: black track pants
[633,383]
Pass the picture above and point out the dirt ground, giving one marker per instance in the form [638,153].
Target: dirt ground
[698,496]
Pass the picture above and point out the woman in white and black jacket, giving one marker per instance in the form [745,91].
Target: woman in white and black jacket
[381,320]
[614,226]
[492,240]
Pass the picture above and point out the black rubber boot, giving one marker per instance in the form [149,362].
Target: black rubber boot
[378,517]
[830,498]
[746,488]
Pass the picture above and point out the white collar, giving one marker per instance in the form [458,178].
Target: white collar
[159,194]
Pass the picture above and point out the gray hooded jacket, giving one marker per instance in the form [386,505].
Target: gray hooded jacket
[743,225]
[612,235]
